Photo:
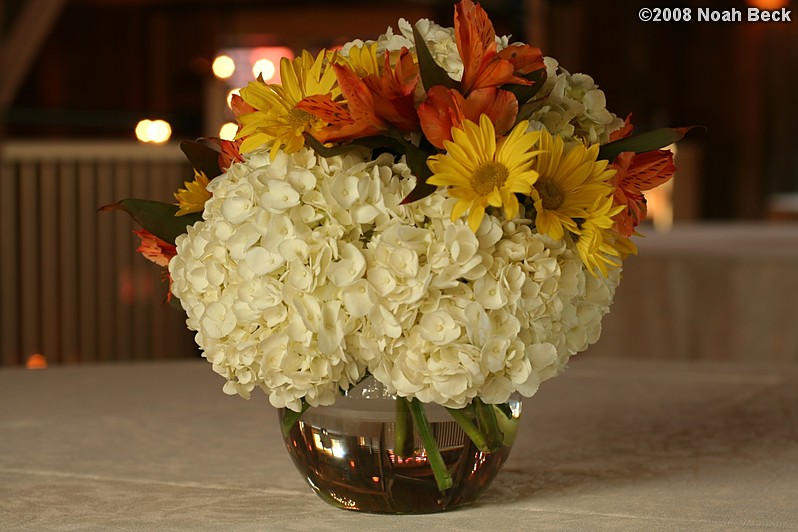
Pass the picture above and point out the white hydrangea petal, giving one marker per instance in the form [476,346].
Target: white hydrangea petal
[331,329]
[358,298]
[278,196]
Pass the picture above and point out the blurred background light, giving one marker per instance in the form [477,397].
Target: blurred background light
[264,68]
[153,131]
[768,4]
[223,66]
[36,361]
[228,131]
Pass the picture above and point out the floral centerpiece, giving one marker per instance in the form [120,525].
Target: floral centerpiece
[440,209]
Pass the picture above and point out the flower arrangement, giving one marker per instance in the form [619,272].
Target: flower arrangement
[439,208]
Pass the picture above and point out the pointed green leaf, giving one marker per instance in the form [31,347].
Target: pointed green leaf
[648,141]
[156,217]
[431,72]
[416,159]
[526,110]
[524,93]
[202,157]
[371,143]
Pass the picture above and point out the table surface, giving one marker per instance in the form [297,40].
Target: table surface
[611,444]
[723,291]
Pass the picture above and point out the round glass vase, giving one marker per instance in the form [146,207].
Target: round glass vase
[349,455]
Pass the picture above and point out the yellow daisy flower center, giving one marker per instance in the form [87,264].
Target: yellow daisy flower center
[299,119]
[551,194]
[488,176]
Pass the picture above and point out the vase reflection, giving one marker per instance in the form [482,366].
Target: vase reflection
[349,458]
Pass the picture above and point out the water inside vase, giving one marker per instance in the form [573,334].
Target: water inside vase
[347,453]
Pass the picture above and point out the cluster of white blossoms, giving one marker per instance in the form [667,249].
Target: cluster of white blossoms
[573,106]
[305,273]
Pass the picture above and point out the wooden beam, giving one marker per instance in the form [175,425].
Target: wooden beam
[24,40]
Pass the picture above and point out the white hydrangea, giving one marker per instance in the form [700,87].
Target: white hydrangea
[307,272]
[574,106]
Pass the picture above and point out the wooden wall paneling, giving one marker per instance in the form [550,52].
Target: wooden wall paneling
[49,265]
[10,349]
[106,292]
[123,296]
[29,259]
[69,261]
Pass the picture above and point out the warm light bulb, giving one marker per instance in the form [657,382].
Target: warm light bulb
[36,361]
[228,131]
[156,131]
[159,131]
[768,5]
[143,130]
[223,66]
[265,68]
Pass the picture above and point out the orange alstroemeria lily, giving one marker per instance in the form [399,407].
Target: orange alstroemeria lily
[524,58]
[154,249]
[374,104]
[625,131]
[635,174]
[230,153]
[447,108]
[476,41]
[394,92]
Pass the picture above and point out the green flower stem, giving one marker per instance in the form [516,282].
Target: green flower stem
[290,418]
[403,430]
[442,476]
[460,415]
[489,426]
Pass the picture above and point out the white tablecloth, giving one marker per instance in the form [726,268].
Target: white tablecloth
[708,291]
[611,444]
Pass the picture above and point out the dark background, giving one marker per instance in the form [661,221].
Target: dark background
[105,64]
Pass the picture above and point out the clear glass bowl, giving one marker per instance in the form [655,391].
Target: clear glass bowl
[347,453]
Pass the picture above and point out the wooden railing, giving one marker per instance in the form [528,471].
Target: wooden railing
[72,287]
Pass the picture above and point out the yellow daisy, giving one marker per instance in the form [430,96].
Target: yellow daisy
[276,119]
[363,60]
[597,244]
[481,172]
[193,197]
[569,185]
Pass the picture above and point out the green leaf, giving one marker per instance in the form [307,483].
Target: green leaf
[648,141]
[524,93]
[371,143]
[416,159]
[527,109]
[431,72]
[202,157]
[156,217]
